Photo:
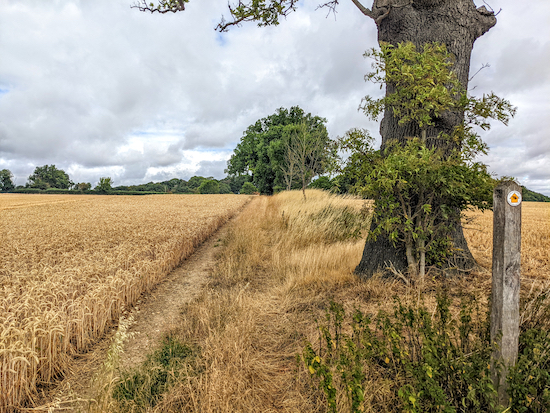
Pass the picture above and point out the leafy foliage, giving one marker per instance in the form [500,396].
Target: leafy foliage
[529,379]
[419,196]
[248,188]
[48,176]
[266,13]
[422,88]
[421,83]
[104,185]
[422,185]
[209,186]
[6,180]
[436,362]
[261,151]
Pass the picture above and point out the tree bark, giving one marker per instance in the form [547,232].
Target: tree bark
[457,24]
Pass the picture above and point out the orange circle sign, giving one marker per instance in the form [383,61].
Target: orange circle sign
[514,198]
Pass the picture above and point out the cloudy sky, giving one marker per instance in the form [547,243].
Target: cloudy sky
[100,89]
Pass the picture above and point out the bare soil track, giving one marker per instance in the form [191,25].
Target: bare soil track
[155,314]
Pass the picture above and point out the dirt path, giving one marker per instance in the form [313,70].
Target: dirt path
[155,314]
[159,312]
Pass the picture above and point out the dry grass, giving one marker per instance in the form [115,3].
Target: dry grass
[270,283]
[71,263]
[283,261]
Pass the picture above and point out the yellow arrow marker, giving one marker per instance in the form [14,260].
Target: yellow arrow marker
[515,198]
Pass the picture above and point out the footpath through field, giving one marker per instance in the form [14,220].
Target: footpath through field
[155,314]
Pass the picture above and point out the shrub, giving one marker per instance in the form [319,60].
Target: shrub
[209,186]
[529,380]
[437,363]
[248,188]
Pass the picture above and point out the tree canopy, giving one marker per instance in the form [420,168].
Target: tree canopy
[104,185]
[209,186]
[48,176]
[261,151]
[6,180]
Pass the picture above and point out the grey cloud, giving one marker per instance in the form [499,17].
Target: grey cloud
[212,168]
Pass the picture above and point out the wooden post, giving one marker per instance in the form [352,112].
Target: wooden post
[505,289]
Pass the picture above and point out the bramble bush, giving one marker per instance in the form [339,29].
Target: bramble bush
[436,363]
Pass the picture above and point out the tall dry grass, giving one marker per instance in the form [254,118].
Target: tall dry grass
[70,263]
[282,261]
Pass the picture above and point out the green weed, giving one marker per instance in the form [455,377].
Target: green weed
[438,363]
[143,387]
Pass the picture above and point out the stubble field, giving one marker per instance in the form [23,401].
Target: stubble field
[71,263]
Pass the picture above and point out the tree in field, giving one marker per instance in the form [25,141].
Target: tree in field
[454,23]
[306,154]
[6,180]
[48,176]
[261,152]
[104,185]
[248,188]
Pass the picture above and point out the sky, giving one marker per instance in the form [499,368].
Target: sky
[102,90]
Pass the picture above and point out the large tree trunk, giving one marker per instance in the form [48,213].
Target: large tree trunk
[457,24]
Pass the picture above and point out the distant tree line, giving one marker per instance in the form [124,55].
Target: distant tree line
[50,179]
[288,150]
[529,195]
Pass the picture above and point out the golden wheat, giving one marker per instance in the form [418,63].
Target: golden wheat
[70,264]
[535,239]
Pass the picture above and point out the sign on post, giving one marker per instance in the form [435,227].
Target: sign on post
[505,286]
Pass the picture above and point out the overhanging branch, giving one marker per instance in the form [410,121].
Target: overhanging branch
[264,14]
[164,6]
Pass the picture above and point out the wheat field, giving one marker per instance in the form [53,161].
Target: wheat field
[70,264]
[535,239]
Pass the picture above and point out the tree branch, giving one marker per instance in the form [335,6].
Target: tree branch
[264,14]
[364,10]
[164,6]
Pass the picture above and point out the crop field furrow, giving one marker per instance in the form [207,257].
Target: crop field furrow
[70,264]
